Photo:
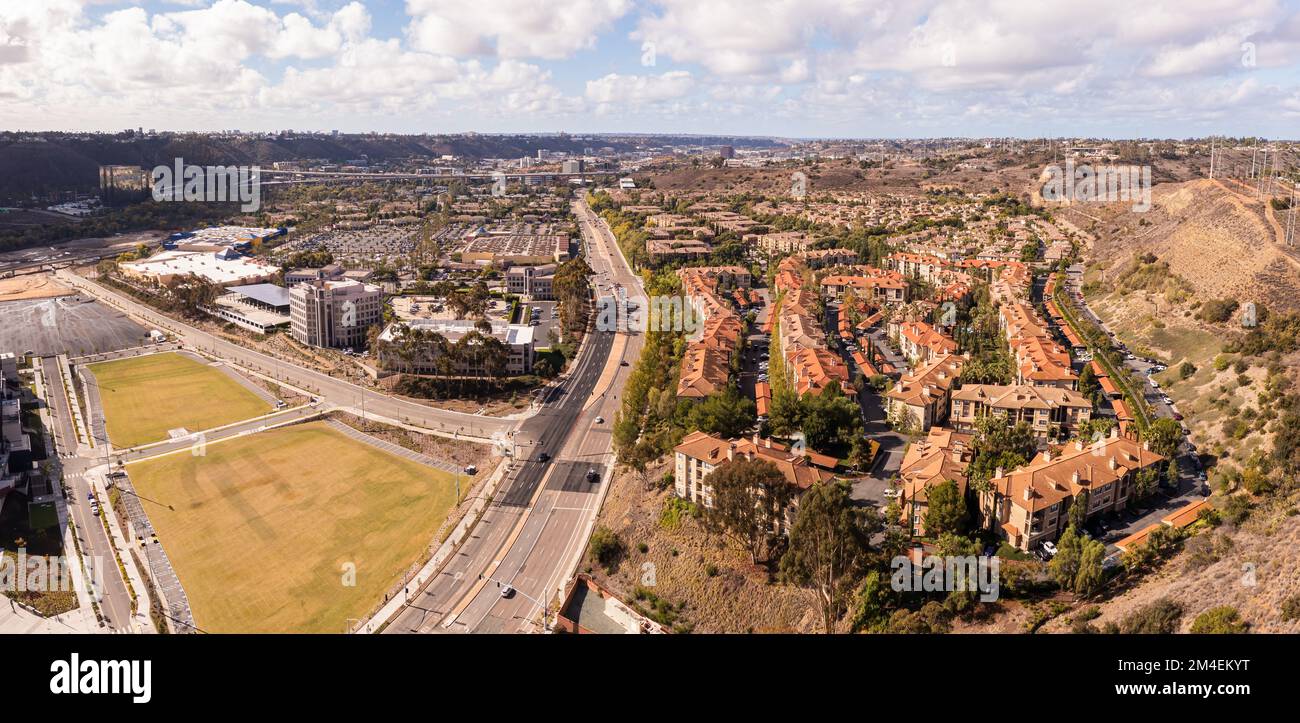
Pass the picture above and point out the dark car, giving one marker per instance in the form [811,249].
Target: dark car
[543,457]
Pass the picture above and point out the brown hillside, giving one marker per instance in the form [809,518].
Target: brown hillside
[1223,242]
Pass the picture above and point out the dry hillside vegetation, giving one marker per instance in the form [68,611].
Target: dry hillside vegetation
[1267,544]
[1223,242]
[710,586]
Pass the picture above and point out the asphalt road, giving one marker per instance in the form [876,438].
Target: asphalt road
[330,389]
[1190,486]
[535,531]
[115,605]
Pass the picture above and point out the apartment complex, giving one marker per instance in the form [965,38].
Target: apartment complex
[334,314]
[808,361]
[1049,411]
[700,453]
[942,456]
[781,242]
[1031,504]
[874,285]
[706,363]
[920,400]
[1039,359]
[15,445]
[920,342]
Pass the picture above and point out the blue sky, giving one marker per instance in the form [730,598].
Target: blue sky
[798,68]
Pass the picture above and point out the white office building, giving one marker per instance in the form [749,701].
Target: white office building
[334,313]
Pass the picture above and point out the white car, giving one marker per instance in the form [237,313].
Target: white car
[507,591]
[893,493]
[600,420]
[1049,547]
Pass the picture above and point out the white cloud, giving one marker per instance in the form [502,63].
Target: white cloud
[639,89]
[510,28]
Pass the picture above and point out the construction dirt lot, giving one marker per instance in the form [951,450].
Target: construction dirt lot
[31,286]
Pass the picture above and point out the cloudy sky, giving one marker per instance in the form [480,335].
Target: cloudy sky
[801,68]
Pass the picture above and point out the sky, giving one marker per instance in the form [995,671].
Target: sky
[787,68]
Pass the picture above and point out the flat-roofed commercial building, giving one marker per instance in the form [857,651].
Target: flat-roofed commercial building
[225,268]
[517,249]
[334,313]
[534,282]
[256,307]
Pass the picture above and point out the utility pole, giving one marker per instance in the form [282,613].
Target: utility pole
[1212,158]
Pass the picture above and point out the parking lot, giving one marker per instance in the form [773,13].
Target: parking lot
[378,243]
[547,320]
[66,325]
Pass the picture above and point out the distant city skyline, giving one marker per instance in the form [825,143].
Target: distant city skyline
[774,68]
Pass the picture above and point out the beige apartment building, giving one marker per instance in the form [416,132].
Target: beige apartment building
[700,453]
[920,400]
[1031,504]
[1049,411]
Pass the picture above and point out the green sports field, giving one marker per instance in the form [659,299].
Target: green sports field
[146,396]
[260,529]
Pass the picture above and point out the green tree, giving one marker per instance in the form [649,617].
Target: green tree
[830,547]
[946,512]
[749,502]
[871,603]
[1064,566]
[1079,510]
[1088,580]
[726,415]
[1164,435]
[829,418]
[605,546]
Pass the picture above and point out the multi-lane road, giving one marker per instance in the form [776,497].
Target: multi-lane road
[535,531]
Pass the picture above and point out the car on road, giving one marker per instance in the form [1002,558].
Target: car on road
[1049,547]
[507,591]
[593,476]
[623,363]
[543,457]
[891,492]
[600,420]
[1178,417]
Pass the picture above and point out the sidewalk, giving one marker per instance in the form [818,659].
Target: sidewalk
[17,620]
